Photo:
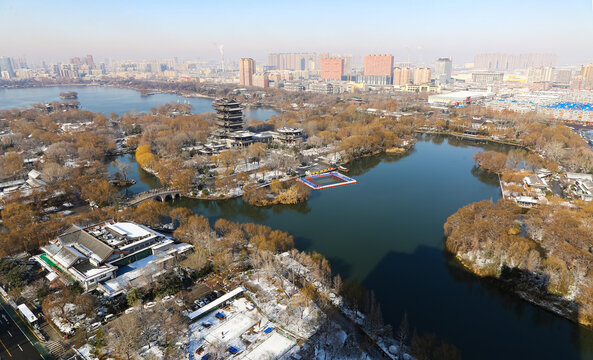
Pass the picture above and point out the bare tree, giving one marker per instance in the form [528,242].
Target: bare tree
[402,337]
[123,336]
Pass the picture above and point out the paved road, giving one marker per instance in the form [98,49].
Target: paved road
[13,343]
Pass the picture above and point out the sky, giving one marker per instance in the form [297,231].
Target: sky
[419,30]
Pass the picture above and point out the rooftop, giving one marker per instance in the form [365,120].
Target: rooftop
[129,229]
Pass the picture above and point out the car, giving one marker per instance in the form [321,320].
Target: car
[130,310]
[109,317]
[179,302]
[149,305]
[94,326]
[167,298]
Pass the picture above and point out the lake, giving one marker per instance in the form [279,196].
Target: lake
[108,99]
[386,231]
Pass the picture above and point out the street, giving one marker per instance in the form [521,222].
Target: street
[13,343]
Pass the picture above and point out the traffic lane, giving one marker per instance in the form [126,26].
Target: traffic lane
[13,343]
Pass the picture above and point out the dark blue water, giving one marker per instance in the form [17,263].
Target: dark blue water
[387,232]
[110,99]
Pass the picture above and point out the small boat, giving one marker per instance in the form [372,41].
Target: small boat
[344,169]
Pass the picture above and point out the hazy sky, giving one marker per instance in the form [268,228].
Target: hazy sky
[421,29]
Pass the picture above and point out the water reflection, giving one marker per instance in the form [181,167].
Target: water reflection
[485,176]
[386,231]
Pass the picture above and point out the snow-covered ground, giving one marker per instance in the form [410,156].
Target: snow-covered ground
[243,328]
[231,328]
[273,348]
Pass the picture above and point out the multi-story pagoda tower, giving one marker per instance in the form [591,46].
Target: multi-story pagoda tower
[229,115]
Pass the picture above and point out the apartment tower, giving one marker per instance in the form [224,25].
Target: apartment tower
[246,71]
[332,68]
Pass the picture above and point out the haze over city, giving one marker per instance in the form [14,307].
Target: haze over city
[420,30]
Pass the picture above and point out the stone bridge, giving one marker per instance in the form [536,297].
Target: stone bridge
[162,194]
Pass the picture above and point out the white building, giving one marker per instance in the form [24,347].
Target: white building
[459,97]
[92,255]
[442,71]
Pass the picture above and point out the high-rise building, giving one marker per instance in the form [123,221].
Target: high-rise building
[442,70]
[6,66]
[292,61]
[422,76]
[347,64]
[76,61]
[539,74]
[261,80]
[506,62]
[155,67]
[19,63]
[229,115]
[246,71]
[378,70]
[562,77]
[402,76]
[332,68]
[587,76]
[381,65]
[90,62]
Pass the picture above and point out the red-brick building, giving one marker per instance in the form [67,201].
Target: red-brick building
[378,65]
[332,68]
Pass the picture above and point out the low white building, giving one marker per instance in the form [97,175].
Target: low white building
[94,254]
[459,98]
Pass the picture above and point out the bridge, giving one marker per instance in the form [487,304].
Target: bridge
[162,194]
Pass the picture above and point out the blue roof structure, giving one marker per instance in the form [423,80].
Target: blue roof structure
[220,315]
[571,106]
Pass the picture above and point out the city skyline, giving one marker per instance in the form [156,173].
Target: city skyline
[460,29]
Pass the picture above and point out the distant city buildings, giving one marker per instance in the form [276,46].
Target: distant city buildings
[442,71]
[586,77]
[506,62]
[6,69]
[246,71]
[261,80]
[292,61]
[539,74]
[90,62]
[378,69]
[487,77]
[322,88]
[422,76]
[332,68]
[402,76]
[572,106]
[562,77]
[379,65]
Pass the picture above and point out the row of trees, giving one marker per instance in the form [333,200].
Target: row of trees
[557,143]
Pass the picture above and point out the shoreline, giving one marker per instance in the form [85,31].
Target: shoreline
[473,138]
[529,295]
[122,86]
